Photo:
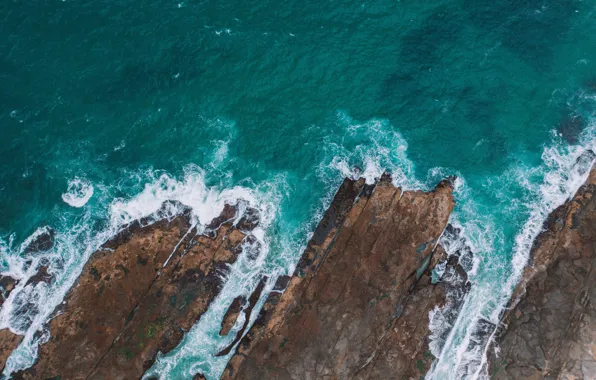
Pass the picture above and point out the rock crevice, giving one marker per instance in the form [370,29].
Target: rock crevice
[361,293]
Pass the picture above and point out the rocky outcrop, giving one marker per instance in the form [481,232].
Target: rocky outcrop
[7,285]
[136,296]
[549,331]
[232,315]
[357,306]
[8,342]
[358,303]
[43,242]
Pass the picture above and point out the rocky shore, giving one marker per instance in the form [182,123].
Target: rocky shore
[358,303]
[136,296]
[356,307]
[549,329]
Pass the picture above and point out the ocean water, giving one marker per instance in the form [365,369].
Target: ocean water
[108,108]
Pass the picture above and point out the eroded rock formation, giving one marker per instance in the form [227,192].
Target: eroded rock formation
[136,296]
[357,306]
[8,342]
[549,331]
[359,302]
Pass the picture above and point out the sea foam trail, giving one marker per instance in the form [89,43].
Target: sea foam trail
[29,307]
[463,353]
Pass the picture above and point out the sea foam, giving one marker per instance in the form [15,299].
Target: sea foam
[28,307]
[463,352]
[78,193]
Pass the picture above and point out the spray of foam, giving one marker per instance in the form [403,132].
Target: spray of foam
[364,150]
[28,307]
[367,150]
[463,353]
[78,193]
[196,352]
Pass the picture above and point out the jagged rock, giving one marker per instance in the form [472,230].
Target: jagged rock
[8,342]
[42,275]
[227,215]
[136,296]
[362,286]
[42,243]
[7,284]
[252,302]
[232,315]
[549,331]
[249,220]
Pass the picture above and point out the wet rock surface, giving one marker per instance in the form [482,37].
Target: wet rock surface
[232,315]
[7,284]
[357,306]
[358,303]
[8,342]
[549,331]
[42,243]
[134,298]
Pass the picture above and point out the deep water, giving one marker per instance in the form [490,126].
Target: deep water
[107,108]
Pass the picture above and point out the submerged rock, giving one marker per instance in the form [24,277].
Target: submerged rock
[42,242]
[359,301]
[549,330]
[571,127]
[7,284]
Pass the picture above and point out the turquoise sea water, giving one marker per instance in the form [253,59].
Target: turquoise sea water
[107,108]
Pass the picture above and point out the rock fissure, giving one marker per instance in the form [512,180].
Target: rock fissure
[357,306]
[341,318]
[134,309]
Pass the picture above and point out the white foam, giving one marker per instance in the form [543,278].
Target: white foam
[120,146]
[367,150]
[196,352]
[564,170]
[28,307]
[78,193]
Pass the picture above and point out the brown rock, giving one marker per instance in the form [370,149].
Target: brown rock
[252,301]
[42,275]
[8,342]
[7,284]
[232,315]
[128,304]
[550,329]
[349,299]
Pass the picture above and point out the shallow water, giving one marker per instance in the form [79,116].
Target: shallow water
[107,108]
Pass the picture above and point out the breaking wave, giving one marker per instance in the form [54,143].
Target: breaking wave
[78,193]
[31,304]
[461,343]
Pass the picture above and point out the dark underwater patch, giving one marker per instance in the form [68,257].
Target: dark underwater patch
[529,29]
